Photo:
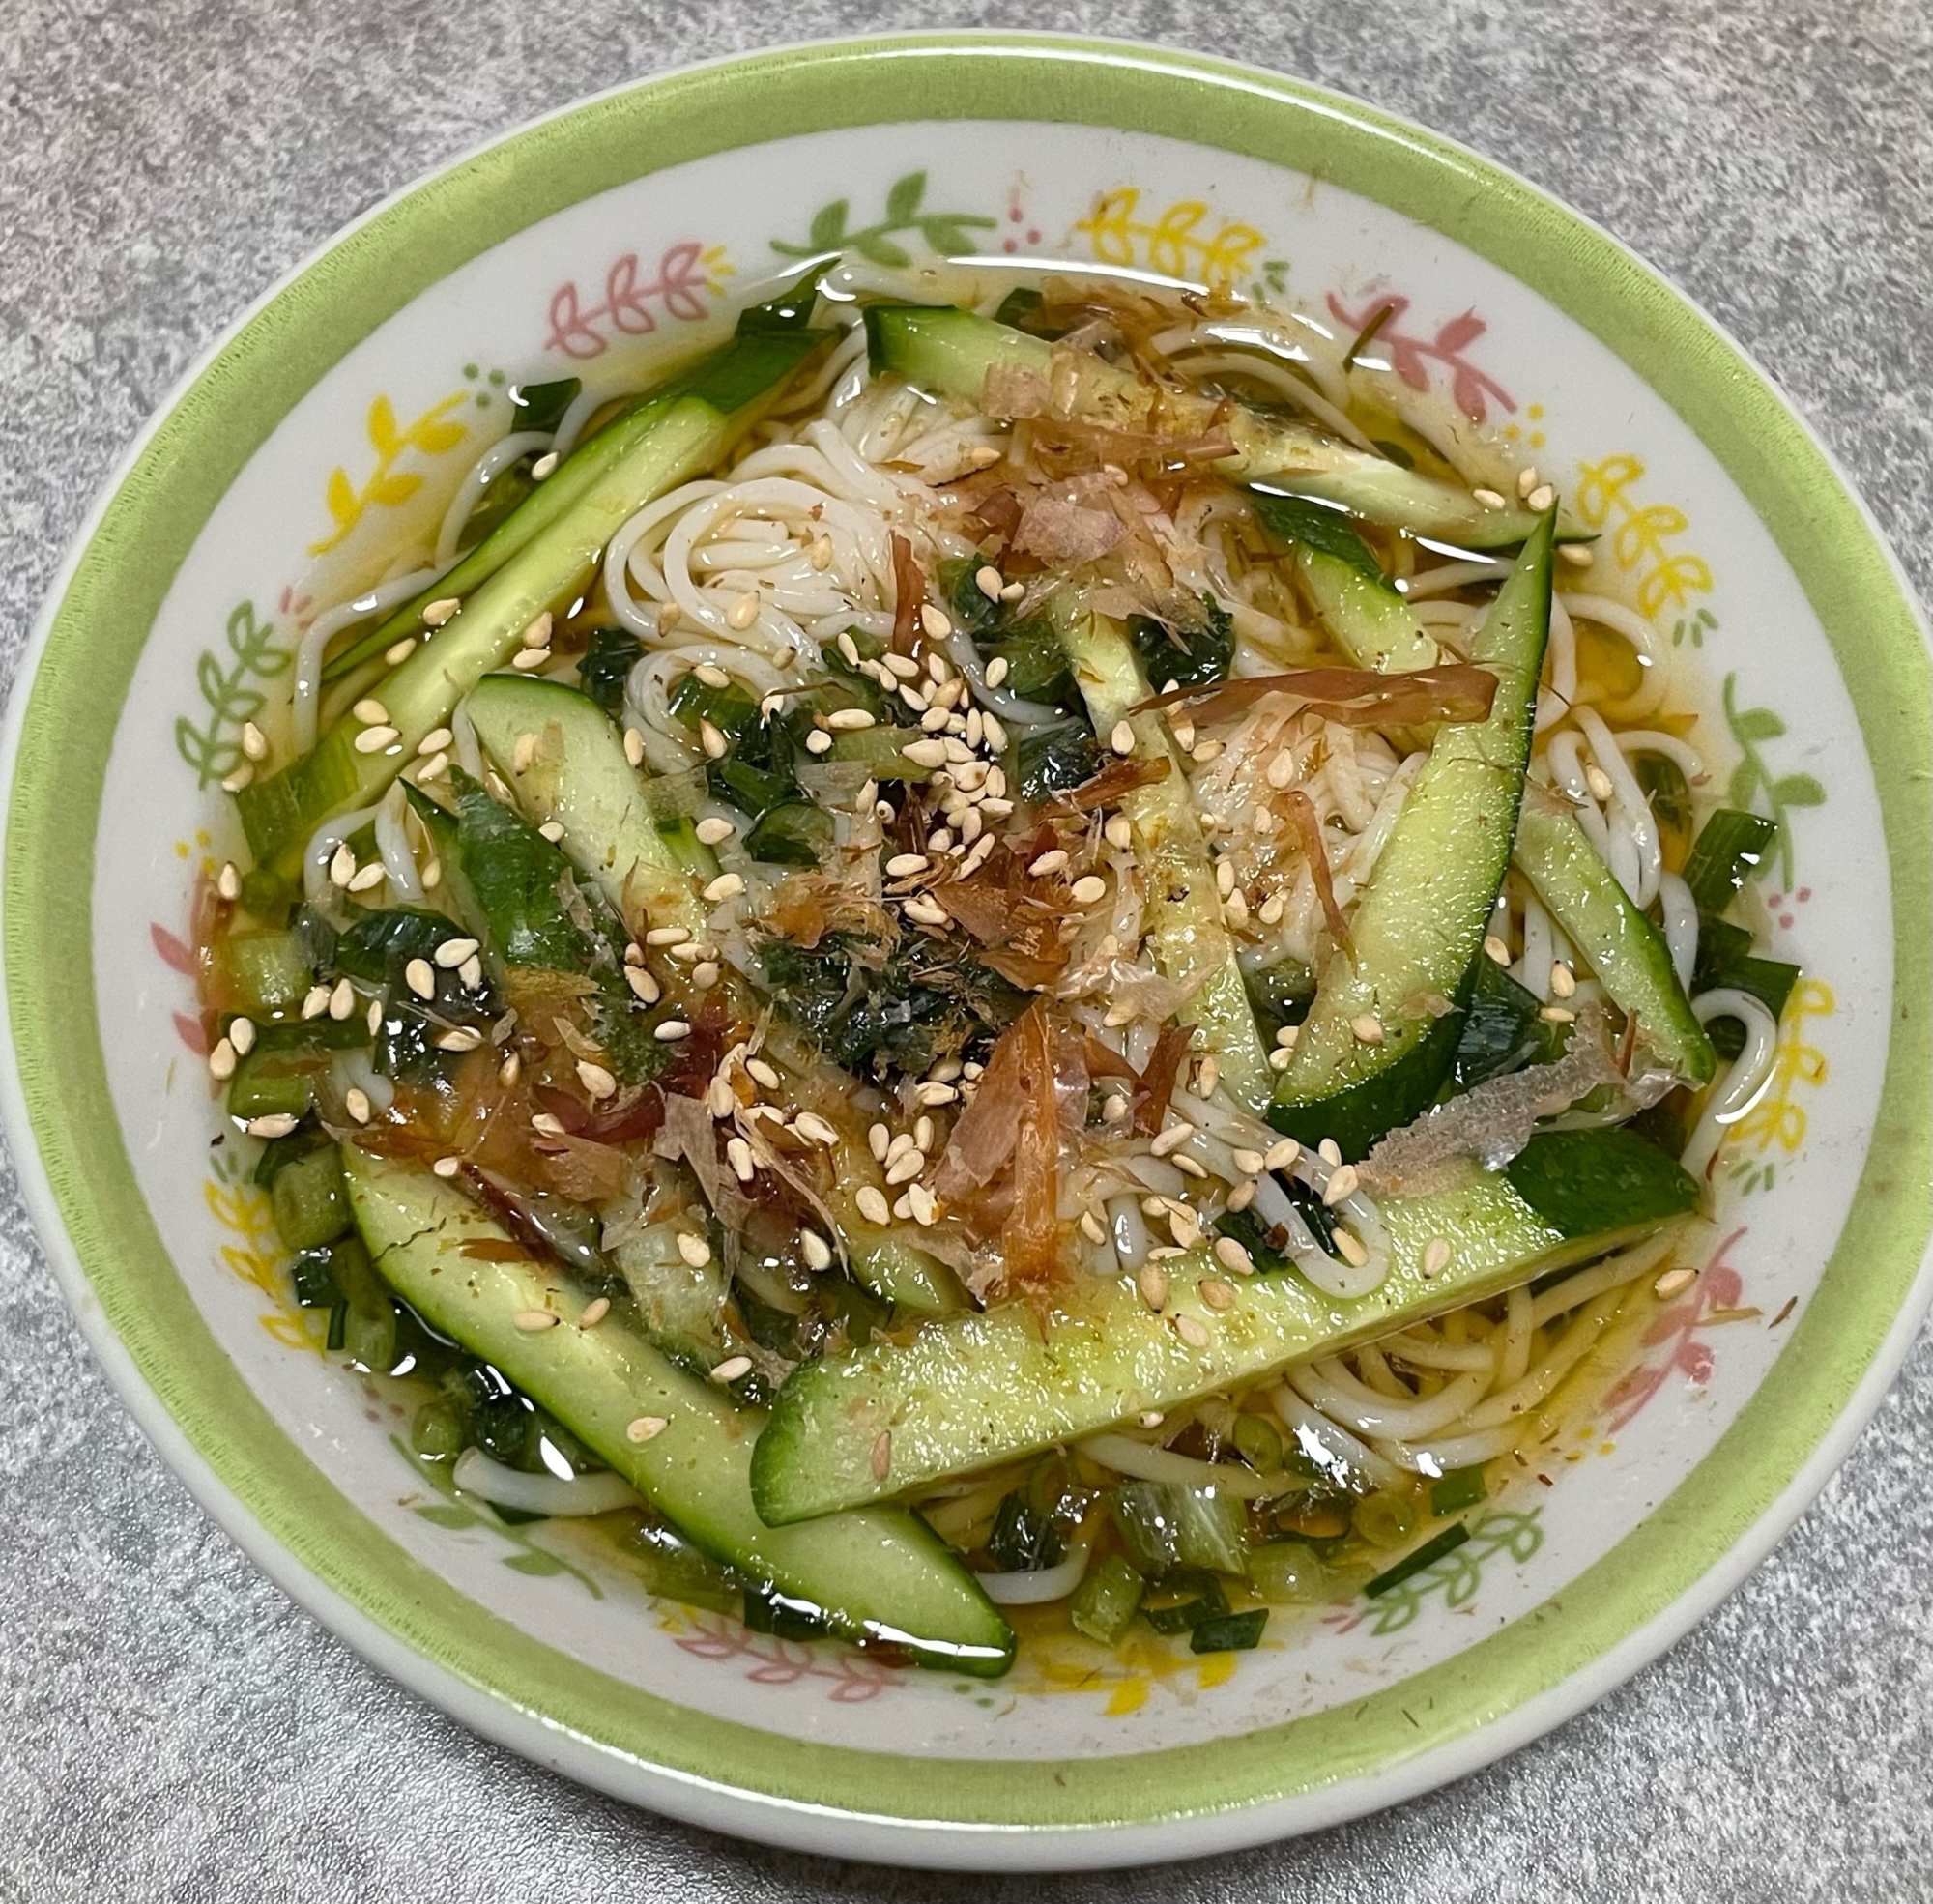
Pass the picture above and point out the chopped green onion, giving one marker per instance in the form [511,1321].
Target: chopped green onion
[1109,1598]
[1730,848]
[1428,1554]
[1460,1489]
[1235,1632]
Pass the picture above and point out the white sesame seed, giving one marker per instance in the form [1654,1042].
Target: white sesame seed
[432,875]
[463,1038]
[446,1166]
[533,1321]
[1563,981]
[1576,554]
[1088,891]
[526,661]
[593,1311]
[1213,1291]
[691,948]
[242,1035]
[904,865]
[1279,1058]
[935,622]
[902,667]
[814,1248]
[596,1079]
[819,742]
[743,612]
[222,1060]
[739,1154]
[693,1248]
[1435,1257]
[1598,782]
[1152,1283]
[1496,949]
[1123,740]
[726,886]
[547,1124]
[704,974]
[523,753]
[997,670]
[993,736]
[1487,498]
[850,720]
[238,779]
[1366,1028]
[277,1124]
[342,1000]
[1557,1015]
[254,744]
[419,975]
[1250,1162]
[671,1030]
[731,1368]
[511,1070]
[643,984]
[713,831]
[873,1205]
[821,556]
[925,753]
[711,677]
[814,1129]
[1329,1151]
[433,769]
[440,612]
[1351,1247]
[882,1461]
[357,1103]
[989,582]
[925,1207]
[1341,1183]
[634,746]
[1231,1255]
[925,912]
[1280,1154]
[370,876]
[372,712]
[454,952]
[762,1073]
[1120,831]
[907,1167]
[933,1094]
[667,936]
[373,739]
[1674,1282]
[1048,863]
[1172,1138]
[374,1020]
[1542,498]
[341,866]
[647,1427]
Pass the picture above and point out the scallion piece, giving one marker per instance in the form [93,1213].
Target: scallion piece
[1428,1554]
[1730,848]
[1235,1632]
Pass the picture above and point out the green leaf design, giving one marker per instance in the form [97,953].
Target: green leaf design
[1745,778]
[213,751]
[1757,724]
[880,251]
[1798,789]
[947,236]
[535,1561]
[828,226]
[902,199]
[448,1513]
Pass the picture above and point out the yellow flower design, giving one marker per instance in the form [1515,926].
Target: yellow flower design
[257,1257]
[1776,1118]
[1639,535]
[388,488]
[1184,240]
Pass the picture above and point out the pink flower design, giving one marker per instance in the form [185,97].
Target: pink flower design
[854,1678]
[679,287]
[1718,1286]
[1471,389]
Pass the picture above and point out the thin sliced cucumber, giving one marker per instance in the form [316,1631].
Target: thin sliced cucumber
[575,774]
[951,351]
[687,433]
[978,1389]
[1419,928]
[1184,911]
[1626,951]
[1373,625]
[882,1575]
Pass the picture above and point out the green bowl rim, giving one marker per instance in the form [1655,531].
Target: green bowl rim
[1663,1575]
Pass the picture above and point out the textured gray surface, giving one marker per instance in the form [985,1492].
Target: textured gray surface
[170,1727]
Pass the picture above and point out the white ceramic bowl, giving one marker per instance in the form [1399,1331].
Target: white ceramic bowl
[347,404]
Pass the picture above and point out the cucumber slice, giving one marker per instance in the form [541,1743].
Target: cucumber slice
[951,351]
[578,777]
[679,435]
[1184,911]
[1420,925]
[1621,946]
[978,1389]
[881,1575]
[1371,623]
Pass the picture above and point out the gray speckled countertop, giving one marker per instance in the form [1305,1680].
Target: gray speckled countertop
[170,1726]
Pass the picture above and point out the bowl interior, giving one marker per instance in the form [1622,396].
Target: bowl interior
[345,411]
